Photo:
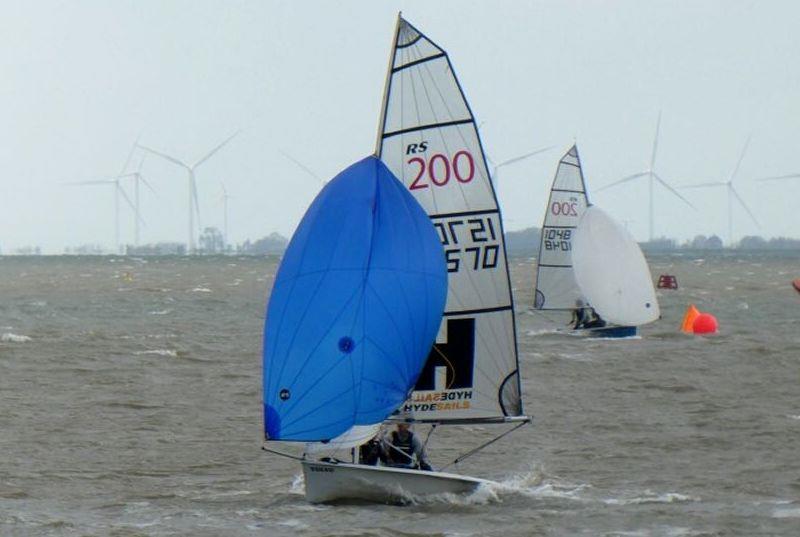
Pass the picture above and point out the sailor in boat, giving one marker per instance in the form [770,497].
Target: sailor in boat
[372,452]
[403,449]
[584,316]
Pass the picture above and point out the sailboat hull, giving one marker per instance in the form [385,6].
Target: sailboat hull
[336,482]
[613,331]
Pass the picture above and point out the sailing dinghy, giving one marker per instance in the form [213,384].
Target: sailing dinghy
[428,138]
[470,375]
[586,259]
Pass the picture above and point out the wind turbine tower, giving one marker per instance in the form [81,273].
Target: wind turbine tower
[137,178]
[194,206]
[653,176]
[732,193]
[118,191]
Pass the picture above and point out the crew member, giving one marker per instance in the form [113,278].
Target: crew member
[402,448]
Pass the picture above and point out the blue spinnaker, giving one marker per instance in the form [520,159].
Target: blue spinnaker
[355,308]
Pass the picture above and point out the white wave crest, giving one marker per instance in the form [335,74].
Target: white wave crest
[161,312]
[159,352]
[298,485]
[8,337]
[201,290]
[651,497]
[542,332]
[783,512]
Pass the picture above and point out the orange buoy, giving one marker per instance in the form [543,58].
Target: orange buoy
[705,323]
[796,284]
[691,314]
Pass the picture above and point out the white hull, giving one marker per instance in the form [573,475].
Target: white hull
[330,482]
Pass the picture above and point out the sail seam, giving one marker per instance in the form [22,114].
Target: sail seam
[480,310]
[567,190]
[464,213]
[412,42]
[428,126]
[417,62]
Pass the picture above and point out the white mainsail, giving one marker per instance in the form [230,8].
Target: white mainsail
[428,138]
[556,288]
[612,272]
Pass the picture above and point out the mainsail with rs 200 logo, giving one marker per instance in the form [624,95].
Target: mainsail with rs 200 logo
[429,140]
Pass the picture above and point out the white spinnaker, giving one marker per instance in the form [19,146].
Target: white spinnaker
[429,140]
[612,272]
[354,436]
[556,288]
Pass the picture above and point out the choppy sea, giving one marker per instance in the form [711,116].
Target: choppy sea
[130,406]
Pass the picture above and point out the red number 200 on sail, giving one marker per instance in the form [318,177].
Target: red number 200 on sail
[439,168]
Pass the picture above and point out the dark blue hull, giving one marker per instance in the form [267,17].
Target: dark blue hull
[613,331]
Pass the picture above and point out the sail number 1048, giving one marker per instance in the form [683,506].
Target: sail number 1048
[439,169]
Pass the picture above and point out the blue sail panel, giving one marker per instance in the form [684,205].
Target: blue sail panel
[354,310]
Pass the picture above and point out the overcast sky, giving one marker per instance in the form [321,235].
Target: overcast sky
[81,80]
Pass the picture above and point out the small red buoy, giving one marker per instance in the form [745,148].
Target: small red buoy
[796,284]
[667,281]
[705,323]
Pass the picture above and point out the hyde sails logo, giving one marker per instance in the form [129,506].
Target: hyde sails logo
[445,383]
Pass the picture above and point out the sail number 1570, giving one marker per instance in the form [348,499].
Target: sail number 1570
[440,168]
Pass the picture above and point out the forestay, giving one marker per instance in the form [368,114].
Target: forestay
[612,272]
[556,288]
[428,138]
[354,310]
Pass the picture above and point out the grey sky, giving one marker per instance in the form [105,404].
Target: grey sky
[81,80]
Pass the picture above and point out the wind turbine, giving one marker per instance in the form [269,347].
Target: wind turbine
[118,191]
[732,193]
[651,173]
[137,178]
[194,206]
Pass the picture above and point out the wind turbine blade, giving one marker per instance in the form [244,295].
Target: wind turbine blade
[141,163]
[130,155]
[146,183]
[523,157]
[623,180]
[211,153]
[81,183]
[744,206]
[655,142]
[301,165]
[741,156]
[703,185]
[666,185]
[125,197]
[780,177]
[165,156]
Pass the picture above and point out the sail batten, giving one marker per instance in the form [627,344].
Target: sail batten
[428,138]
